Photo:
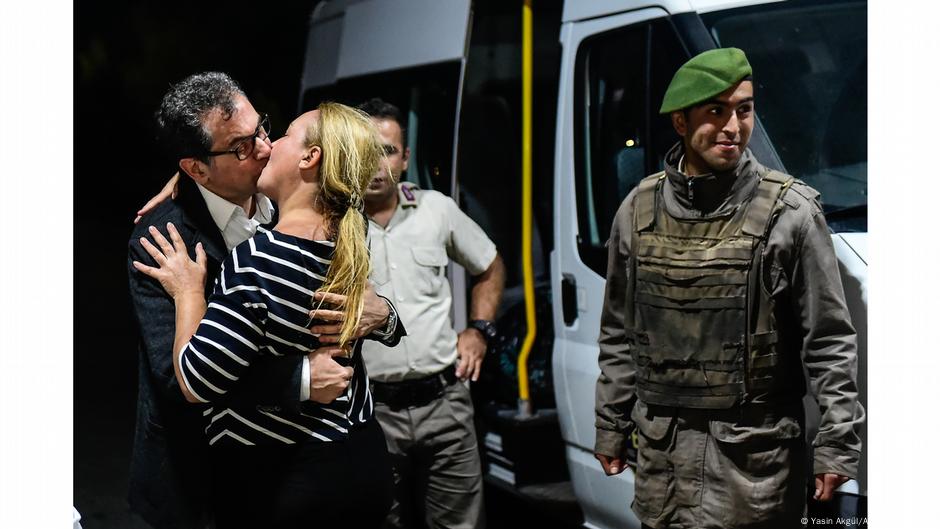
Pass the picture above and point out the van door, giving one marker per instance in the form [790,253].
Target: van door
[609,136]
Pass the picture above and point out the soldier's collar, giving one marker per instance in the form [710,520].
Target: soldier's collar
[407,195]
[711,193]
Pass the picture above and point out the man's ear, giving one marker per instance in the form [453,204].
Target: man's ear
[196,169]
[679,123]
[311,157]
[405,156]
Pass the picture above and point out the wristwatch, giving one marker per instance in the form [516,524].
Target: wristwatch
[392,322]
[486,328]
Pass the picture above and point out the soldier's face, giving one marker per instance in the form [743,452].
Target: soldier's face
[383,183]
[717,132]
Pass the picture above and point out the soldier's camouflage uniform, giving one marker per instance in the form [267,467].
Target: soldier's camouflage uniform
[714,463]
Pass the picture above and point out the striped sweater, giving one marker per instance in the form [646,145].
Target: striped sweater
[260,306]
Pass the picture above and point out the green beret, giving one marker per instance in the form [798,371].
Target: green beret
[705,76]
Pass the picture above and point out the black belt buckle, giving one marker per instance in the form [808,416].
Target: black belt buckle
[413,393]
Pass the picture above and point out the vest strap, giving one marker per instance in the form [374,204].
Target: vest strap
[645,204]
[769,190]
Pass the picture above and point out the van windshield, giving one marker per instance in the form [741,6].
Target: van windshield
[810,64]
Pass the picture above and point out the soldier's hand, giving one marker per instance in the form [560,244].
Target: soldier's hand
[826,484]
[169,191]
[612,465]
[471,347]
[328,379]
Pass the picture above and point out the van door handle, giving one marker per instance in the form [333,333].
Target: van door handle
[569,298]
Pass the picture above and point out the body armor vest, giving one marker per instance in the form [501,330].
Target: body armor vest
[702,332]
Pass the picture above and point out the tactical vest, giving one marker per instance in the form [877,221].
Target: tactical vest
[702,331]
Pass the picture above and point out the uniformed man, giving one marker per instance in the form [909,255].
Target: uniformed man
[722,284]
[422,398]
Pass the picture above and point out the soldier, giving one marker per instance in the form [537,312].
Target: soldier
[722,284]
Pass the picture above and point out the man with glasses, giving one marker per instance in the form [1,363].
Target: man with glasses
[221,144]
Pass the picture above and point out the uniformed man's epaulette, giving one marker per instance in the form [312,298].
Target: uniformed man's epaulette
[408,194]
[801,190]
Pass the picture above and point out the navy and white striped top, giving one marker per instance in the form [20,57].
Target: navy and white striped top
[261,305]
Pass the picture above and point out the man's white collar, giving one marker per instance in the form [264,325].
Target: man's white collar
[222,210]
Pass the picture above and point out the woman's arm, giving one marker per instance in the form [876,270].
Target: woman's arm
[190,308]
[184,280]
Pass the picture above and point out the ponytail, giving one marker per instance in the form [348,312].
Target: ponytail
[351,156]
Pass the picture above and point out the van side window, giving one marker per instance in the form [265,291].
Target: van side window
[620,137]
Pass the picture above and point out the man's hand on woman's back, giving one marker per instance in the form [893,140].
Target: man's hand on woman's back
[328,379]
[329,319]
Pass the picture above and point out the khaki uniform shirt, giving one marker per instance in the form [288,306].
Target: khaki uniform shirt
[409,261]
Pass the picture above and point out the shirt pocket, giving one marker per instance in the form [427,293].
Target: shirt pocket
[771,430]
[655,467]
[431,262]
[653,427]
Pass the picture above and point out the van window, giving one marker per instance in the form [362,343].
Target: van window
[427,98]
[810,69]
[621,138]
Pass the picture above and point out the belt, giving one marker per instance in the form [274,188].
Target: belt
[415,392]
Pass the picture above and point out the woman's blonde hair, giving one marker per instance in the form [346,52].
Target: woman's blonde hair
[351,153]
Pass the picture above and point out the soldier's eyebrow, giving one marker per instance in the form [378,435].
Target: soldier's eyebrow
[719,102]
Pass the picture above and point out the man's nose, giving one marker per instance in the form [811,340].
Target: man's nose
[732,126]
[263,149]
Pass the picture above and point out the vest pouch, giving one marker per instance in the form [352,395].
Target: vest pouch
[690,383]
[695,356]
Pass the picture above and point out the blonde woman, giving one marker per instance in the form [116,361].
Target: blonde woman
[324,464]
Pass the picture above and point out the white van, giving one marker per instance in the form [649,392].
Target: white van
[600,70]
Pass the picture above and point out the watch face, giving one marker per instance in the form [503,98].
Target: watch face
[486,328]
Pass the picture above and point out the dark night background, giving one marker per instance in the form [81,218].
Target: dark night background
[126,56]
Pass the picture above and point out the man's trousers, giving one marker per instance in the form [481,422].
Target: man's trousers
[436,462]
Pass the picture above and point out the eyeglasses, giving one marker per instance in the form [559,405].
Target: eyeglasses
[243,149]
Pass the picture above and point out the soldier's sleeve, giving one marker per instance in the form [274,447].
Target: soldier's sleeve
[829,349]
[615,393]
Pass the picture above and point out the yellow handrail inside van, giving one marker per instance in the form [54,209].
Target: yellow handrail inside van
[525,407]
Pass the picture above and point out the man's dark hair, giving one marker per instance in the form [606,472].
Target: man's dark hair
[381,109]
[184,107]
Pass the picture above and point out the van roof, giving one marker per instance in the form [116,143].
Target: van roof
[576,10]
